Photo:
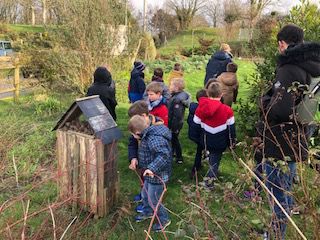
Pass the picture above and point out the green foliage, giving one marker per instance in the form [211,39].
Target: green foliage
[306,15]
[187,39]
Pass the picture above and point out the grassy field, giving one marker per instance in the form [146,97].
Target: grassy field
[26,28]
[186,40]
[26,137]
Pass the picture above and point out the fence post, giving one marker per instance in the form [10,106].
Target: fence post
[16,80]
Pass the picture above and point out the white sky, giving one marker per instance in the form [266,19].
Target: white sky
[138,4]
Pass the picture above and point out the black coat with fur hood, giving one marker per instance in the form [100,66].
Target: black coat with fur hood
[285,138]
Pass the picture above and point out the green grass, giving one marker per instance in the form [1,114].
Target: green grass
[28,125]
[26,28]
[185,40]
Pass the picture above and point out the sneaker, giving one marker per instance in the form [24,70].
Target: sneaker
[265,236]
[142,217]
[209,184]
[139,208]
[157,227]
[179,160]
[137,198]
[295,210]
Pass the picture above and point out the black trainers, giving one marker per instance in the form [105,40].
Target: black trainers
[157,227]
[179,160]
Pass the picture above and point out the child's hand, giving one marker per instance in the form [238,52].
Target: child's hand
[148,173]
[133,164]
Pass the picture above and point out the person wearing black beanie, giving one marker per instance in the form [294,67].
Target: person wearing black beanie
[105,88]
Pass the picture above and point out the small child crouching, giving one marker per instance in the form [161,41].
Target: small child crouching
[217,122]
[178,103]
[154,155]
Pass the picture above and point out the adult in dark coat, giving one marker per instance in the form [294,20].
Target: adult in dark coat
[284,137]
[218,62]
[105,88]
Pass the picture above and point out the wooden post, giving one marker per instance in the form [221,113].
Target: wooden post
[16,81]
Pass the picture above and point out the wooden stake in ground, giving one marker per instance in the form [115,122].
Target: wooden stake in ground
[15,170]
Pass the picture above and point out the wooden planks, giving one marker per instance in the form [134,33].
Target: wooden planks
[87,171]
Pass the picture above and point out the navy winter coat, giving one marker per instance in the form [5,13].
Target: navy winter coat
[136,86]
[195,132]
[217,65]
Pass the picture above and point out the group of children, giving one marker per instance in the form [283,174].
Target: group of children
[156,119]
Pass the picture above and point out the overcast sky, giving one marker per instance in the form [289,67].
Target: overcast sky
[138,4]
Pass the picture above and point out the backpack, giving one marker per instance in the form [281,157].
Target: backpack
[307,108]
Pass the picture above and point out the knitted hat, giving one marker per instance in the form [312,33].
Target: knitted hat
[102,75]
[139,65]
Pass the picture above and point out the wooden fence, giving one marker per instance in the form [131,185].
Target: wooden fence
[8,63]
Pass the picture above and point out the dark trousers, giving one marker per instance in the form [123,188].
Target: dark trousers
[198,157]
[258,169]
[280,184]
[176,147]
[214,161]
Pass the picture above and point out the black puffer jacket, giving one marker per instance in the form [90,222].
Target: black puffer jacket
[285,138]
[105,88]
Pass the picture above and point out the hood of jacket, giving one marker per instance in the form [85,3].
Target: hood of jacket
[102,75]
[305,55]
[221,56]
[182,97]
[209,106]
[228,78]
[157,130]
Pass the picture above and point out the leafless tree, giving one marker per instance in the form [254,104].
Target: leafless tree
[214,10]
[233,11]
[186,10]
[8,11]
[254,11]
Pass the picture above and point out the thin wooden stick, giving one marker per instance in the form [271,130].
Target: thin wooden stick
[25,220]
[65,231]
[148,235]
[131,225]
[53,223]
[270,193]
[15,170]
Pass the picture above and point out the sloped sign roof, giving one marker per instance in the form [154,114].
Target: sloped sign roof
[96,114]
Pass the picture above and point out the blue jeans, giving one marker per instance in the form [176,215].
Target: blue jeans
[150,196]
[214,162]
[280,184]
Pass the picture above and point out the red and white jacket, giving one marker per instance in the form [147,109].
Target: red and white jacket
[218,123]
